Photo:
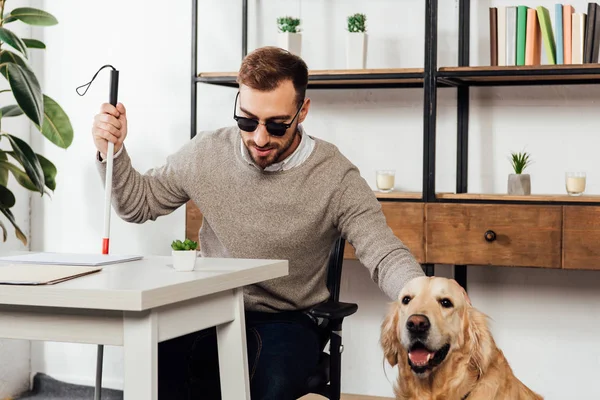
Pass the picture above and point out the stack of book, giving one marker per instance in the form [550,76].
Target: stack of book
[518,34]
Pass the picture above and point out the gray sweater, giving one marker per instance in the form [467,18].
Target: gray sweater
[294,215]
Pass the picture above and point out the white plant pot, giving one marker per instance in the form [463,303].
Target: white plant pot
[184,260]
[356,50]
[291,42]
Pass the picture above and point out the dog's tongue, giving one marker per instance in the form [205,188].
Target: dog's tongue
[420,357]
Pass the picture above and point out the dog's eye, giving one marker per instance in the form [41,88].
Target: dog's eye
[406,300]
[446,303]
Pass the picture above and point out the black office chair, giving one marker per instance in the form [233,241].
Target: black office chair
[326,380]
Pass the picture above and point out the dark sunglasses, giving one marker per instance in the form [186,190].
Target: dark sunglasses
[250,125]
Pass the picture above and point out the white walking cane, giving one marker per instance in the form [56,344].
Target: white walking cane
[114,90]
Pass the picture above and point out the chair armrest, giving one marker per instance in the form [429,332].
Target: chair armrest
[333,310]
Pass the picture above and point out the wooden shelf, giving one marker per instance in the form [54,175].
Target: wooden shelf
[521,75]
[398,195]
[534,198]
[341,78]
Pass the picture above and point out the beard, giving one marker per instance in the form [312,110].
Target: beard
[277,150]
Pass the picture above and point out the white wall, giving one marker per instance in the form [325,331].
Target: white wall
[532,310]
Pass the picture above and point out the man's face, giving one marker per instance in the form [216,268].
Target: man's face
[278,105]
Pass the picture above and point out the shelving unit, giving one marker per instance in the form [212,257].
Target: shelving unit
[486,228]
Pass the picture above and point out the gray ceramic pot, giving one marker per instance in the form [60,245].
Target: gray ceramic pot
[519,184]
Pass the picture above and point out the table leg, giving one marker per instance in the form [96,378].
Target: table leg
[233,356]
[140,355]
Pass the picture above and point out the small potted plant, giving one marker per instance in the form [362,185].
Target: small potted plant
[184,254]
[356,41]
[518,182]
[290,38]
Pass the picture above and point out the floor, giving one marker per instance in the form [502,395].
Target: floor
[48,388]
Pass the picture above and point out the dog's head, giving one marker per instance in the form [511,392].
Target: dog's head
[432,318]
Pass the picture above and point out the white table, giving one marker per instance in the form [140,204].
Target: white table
[138,304]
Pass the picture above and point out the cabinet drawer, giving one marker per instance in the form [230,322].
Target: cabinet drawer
[407,221]
[493,234]
[581,237]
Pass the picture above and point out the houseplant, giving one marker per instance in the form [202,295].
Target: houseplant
[290,38]
[31,170]
[356,41]
[184,254]
[518,182]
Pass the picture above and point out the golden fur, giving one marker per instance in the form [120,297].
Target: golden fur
[474,366]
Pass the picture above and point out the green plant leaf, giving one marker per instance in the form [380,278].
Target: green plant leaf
[50,172]
[57,126]
[20,235]
[22,177]
[3,171]
[26,157]
[7,56]
[26,89]
[7,198]
[34,44]
[7,36]
[11,111]
[33,16]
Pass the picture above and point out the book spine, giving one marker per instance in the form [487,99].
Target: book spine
[558,33]
[511,35]
[493,36]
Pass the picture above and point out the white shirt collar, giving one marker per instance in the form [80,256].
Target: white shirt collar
[296,158]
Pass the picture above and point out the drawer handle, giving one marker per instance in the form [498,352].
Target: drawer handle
[490,236]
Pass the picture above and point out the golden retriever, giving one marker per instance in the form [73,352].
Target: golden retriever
[443,347]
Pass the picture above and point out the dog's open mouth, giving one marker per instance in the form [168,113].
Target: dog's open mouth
[420,358]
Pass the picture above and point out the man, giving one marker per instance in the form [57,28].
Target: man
[266,189]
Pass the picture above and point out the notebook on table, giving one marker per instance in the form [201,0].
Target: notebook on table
[40,274]
[69,258]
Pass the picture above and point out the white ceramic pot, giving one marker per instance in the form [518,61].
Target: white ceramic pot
[291,42]
[184,260]
[356,50]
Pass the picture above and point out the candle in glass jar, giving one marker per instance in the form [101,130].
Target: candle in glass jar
[385,180]
[575,183]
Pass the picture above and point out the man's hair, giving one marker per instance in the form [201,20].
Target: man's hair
[266,67]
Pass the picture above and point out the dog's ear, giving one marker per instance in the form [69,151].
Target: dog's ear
[479,339]
[390,342]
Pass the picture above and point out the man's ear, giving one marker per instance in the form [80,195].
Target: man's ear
[390,339]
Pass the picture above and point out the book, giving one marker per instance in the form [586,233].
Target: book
[521,34]
[558,33]
[69,258]
[568,11]
[547,35]
[533,42]
[501,35]
[511,35]
[493,36]
[589,33]
[578,36]
[36,274]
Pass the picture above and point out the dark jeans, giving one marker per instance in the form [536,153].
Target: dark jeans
[283,350]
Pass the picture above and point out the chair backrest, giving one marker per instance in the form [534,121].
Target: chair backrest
[334,270]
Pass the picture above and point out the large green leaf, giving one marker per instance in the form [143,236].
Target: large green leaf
[34,43]
[48,167]
[20,235]
[57,126]
[7,198]
[3,171]
[26,89]
[7,56]
[49,172]
[32,16]
[11,111]
[7,36]
[25,155]
[20,175]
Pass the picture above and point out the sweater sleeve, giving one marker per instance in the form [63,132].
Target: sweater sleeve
[362,223]
[140,197]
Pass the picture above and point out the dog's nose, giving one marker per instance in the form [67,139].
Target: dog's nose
[418,323]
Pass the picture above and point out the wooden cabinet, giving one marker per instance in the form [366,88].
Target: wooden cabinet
[492,234]
[407,221]
[581,237]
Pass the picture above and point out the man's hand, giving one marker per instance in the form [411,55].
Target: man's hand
[109,125]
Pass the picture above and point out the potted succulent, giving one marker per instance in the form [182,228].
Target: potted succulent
[518,182]
[356,41]
[290,38]
[184,254]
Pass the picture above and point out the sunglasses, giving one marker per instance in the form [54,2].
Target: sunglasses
[250,124]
